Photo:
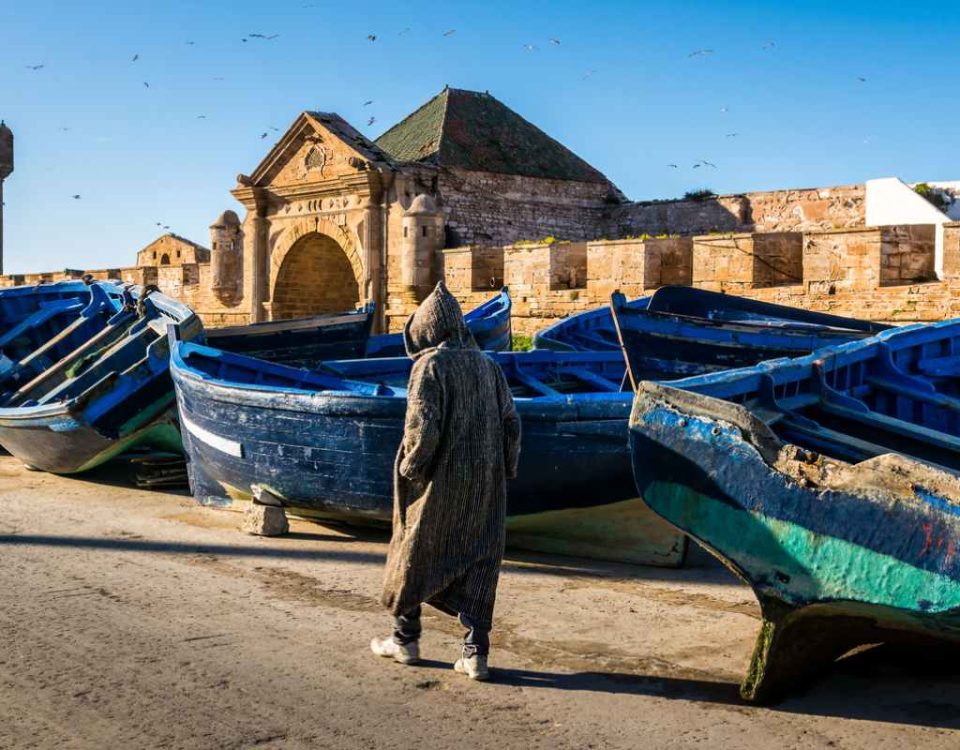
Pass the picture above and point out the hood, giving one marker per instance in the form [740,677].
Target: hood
[437,321]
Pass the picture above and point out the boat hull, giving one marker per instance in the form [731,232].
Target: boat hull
[331,457]
[107,390]
[63,444]
[299,343]
[838,555]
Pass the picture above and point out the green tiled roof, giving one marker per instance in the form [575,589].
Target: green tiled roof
[475,131]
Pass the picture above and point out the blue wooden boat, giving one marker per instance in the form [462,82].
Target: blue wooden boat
[489,323]
[302,342]
[96,383]
[323,442]
[595,330]
[306,342]
[18,303]
[829,483]
[743,333]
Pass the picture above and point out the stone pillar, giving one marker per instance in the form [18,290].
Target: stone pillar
[256,271]
[369,238]
[6,168]
[423,236]
[226,248]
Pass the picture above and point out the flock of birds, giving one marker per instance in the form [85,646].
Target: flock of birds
[373,37]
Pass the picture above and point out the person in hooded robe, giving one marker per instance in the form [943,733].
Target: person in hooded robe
[461,443]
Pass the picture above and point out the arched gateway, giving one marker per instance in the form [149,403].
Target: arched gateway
[313,273]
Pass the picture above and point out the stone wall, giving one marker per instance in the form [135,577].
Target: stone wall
[807,209]
[840,271]
[633,266]
[769,211]
[497,209]
[866,258]
[951,251]
[738,261]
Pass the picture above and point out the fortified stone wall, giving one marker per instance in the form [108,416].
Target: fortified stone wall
[882,273]
[769,211]
[498,209]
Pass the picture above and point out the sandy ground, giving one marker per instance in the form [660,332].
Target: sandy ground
[132,619]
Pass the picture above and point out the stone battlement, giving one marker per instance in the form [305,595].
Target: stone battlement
[880,273]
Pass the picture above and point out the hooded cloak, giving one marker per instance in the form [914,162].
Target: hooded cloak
[461,443]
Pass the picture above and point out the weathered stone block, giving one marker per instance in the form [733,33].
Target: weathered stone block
[265,520]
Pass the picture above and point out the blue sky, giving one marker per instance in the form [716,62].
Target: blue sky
[621,89]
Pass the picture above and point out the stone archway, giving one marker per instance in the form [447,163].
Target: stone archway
[314,276]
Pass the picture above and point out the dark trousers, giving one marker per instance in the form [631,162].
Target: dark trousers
[476,641]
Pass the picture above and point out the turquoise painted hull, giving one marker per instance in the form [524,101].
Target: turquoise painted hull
[838,554]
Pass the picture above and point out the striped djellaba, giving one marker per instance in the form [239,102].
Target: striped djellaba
[461,443]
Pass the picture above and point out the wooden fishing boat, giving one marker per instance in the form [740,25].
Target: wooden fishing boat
[595,330]
[306,342]
[489,323]
[302,342]
[17,303]
[722,332]
[828,483]
[95,384]
[323,442]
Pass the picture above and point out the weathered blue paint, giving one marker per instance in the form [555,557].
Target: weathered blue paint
[303,342]
[735,336]
[489,323]
[19,302]
[95,387]
[595,330]
[828,482]
[325,442]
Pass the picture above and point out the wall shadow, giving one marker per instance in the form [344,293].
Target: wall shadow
[179,548]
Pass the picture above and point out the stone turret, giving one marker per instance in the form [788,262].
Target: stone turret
[6,167]
[423,236]
[226,253]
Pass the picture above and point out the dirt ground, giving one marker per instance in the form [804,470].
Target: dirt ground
[134,619]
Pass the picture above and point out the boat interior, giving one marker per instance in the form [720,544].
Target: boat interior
[103,349]
[894,394]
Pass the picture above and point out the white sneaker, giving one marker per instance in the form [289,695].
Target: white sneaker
[474,667]
[408,654]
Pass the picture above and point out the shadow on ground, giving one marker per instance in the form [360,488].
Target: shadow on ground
[897,685]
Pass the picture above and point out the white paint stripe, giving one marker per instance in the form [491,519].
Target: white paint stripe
[230,447]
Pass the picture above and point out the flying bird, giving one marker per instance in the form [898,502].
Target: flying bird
[450,32]
[530,47]
[588,74]
[263,36]
[700,53]
[861,79]
[405,31]
[76,197]
[263,135]
[705,163]
[368,102]
[218,78]
[35,67]
[371,121]
[555,42]
[64,129]
[274,129]
[732,135]
[201,117]
[135,57]
[191,43]
[371,37]
[147,85]
[673,166]
[769,45]
[724,109]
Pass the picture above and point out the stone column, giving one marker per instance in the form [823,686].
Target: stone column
[371,252]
